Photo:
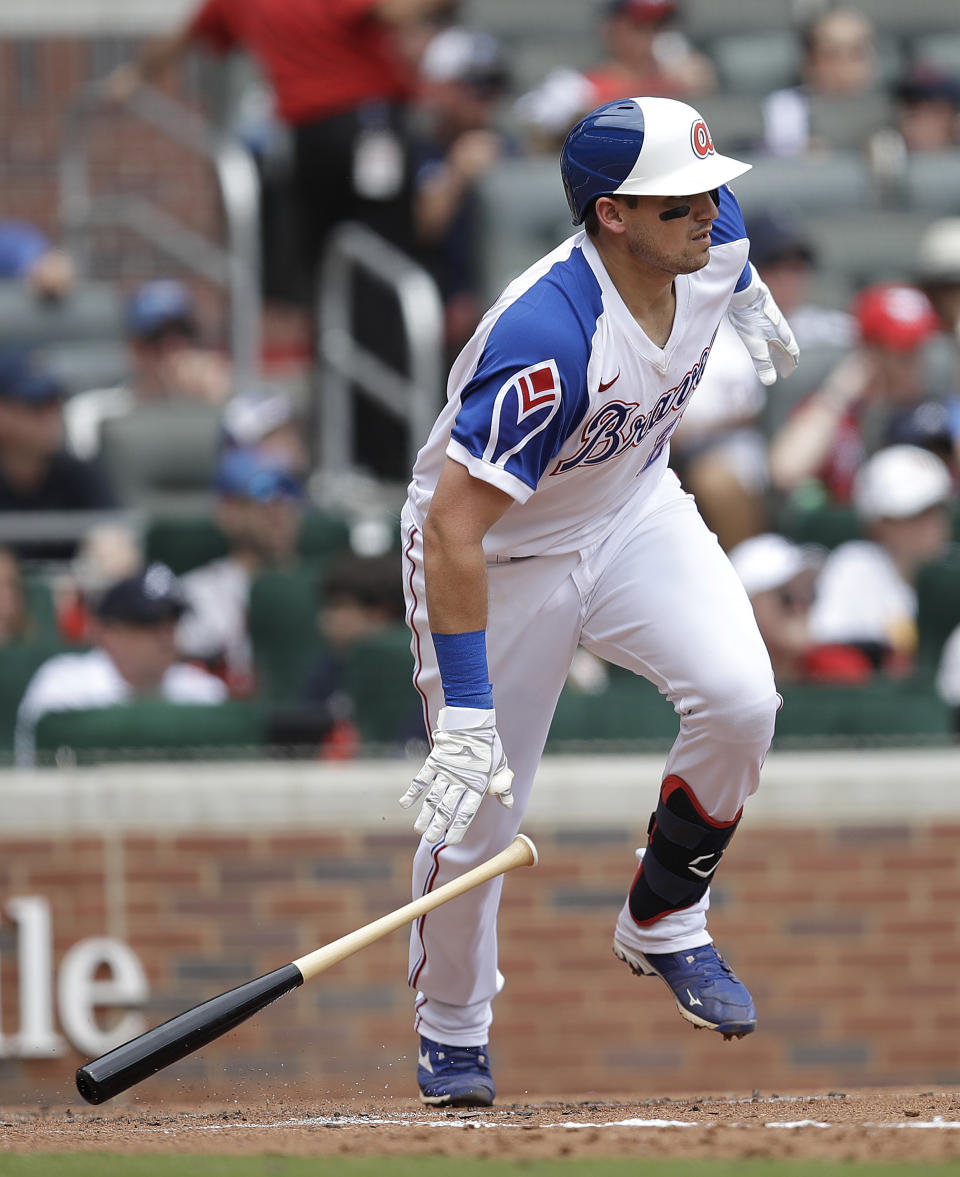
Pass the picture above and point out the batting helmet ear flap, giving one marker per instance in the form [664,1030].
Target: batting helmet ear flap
[684,848]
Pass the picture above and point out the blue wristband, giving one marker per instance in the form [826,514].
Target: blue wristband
[462,659]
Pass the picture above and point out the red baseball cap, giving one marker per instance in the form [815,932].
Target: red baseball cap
[895,316]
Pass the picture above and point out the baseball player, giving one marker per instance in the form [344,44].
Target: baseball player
[541,515]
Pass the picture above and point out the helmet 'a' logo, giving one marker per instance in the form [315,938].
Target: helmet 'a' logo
[700,140]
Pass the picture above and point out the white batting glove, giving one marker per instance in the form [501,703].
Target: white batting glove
[765,332]
[466,762]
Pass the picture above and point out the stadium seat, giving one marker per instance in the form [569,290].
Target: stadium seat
[839,181]
[868,246]
[152,730]
[379,679]
[827,525]
[932,181]
[706,20]
[938,606]
[161,458]
[84,364]
[92,311]
[18,663]
[183,542]
[756,63]
[815,364]
[941,50]
[894,712]
[521,214]
[629,711]
[283,629]
[735,120]
[908,19]
[845,124]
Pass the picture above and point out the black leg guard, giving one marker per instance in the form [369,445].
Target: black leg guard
[683,850]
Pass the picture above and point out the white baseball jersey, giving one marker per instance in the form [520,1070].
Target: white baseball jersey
[561,392]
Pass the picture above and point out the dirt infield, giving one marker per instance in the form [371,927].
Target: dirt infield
[852,1126]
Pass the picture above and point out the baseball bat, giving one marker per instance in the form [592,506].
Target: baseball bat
[120,1068]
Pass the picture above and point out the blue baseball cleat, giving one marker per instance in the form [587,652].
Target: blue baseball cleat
[708,992]
[454,1076]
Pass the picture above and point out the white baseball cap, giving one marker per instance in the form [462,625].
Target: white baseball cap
[900,481]
[938,255]
[770,561]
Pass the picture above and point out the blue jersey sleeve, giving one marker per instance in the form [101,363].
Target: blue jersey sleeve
[529,390]
[729,227]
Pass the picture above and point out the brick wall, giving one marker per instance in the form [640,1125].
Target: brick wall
[844,928]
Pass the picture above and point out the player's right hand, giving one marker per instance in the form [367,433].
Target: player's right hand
[467,762]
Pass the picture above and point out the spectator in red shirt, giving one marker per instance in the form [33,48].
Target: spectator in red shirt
[340,82]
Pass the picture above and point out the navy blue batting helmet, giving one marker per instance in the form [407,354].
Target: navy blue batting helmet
[641,147]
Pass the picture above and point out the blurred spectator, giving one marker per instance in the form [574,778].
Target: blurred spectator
[134,657]
[25,253]
[647,54]
[360,597]
[865,595]
[546,113]
[108,552]
[169,363]
[259,506]
[784,255]
[14,616]
[340,83]
[464,77]
[925,118]
[938,271]
[267,422]
[36,472]
[839,63]
[720,449]
[780,578]
[865,400]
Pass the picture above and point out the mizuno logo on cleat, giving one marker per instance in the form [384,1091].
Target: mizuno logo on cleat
[694,1000]
[424,1061]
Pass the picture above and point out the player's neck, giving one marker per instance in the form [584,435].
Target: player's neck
[646,291]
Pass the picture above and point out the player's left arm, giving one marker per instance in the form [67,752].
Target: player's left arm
[752,310]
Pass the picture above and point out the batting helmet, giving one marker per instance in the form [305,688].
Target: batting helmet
[641,147]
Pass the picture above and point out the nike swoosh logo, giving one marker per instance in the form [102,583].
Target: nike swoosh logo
[609,383]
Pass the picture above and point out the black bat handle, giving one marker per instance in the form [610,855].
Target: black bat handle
[118,1069]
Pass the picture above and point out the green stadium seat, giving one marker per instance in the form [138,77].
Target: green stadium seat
[152,729]
[283,629]
[379,679]
[18,664]
[938,606]
[826,524]
[884,710]
[183,542]
[631,710]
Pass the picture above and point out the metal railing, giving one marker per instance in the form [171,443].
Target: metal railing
[234,267]
[345,363]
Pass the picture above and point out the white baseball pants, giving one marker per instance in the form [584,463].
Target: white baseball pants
[659,597]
